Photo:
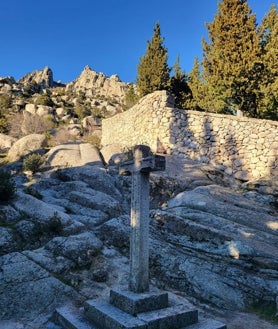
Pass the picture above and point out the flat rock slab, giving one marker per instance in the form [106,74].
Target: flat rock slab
[28,291]
[74,154]
[207,324]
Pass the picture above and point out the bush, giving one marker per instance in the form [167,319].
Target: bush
[21,125]
[92,139]
[7,186]
[44,99]
[4,126]
[33,162]
[55,224]
[5,103]
[60,136]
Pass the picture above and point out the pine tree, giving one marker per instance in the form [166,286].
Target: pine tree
[131,97]
[231,64]
[196,85]
[268,33]
[153,71]
[179,86]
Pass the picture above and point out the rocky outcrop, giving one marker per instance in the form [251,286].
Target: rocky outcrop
[41,110]
[43,78]
[26,145]
[67,229]
[211,243]
[6,142]
[27,286]
[6,84]
[93,83]
[47,231]
[73,154]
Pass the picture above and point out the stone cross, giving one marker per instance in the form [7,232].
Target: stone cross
[140,167]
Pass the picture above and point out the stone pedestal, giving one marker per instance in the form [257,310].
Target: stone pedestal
[134,303]
[129,310]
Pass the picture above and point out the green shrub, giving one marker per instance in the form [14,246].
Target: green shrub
[7,186]
[44,99]
[5,103]
[33,162]
[4,126]
[55,224]
[92,139]
[265,310]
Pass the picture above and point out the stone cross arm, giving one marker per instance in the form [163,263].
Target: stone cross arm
[147,164]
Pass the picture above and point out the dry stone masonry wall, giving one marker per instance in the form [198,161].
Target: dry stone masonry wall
[243,147]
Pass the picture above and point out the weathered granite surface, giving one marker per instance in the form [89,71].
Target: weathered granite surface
[65,236]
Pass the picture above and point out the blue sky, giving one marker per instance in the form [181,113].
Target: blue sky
[108,35]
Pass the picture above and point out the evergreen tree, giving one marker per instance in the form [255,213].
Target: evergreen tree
[179,86]
[196,86]
[131,97]
[231,64]
[268,33]
[153,71]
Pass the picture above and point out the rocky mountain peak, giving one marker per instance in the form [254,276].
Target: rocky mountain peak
[44,78]
[94,83]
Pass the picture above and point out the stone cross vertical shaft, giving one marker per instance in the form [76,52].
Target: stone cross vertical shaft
[140,167]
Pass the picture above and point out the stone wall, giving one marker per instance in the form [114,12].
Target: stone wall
[243,147]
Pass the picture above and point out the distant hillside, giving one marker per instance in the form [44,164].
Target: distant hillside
[92,94]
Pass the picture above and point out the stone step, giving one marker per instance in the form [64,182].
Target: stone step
[207,324]
[174,317]
[134,303]
[70,317]
[107,316]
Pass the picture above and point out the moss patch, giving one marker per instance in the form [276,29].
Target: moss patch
[266,310]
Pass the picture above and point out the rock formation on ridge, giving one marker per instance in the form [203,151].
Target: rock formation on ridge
[43,78]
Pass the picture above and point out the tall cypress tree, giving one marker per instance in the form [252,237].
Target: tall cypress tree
[268,33]
[179,86]
[153,70]
[196,85]
[231,64]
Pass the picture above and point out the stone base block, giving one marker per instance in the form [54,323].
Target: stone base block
[70,317]
[134,303]
[107,316]
[102,314]
[174,317]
